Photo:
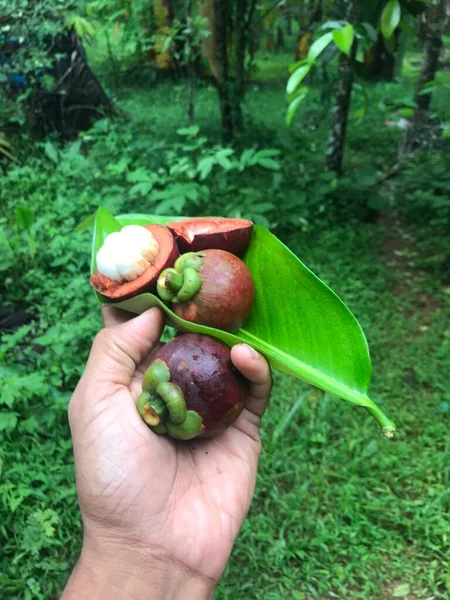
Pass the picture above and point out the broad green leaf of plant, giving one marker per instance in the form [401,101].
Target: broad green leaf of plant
[390,18]
[296,77]
[343,38]
[24,218]
[52,152]
[292,108]
[319,46]
[297,322]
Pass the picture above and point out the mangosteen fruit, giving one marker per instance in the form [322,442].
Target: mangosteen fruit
[131,260]
[192,389]
[203,233]
[212,287]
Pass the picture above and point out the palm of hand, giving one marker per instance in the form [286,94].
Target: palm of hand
[185,499]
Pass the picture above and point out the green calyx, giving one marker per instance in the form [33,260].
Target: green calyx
[162,405]
[152,410]
[155,374]
[173,398]
[191,427]
[180,283]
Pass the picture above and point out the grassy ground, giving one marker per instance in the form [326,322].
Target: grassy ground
[339,512]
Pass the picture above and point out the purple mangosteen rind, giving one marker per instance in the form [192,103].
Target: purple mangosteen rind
[201,368]
[213,288]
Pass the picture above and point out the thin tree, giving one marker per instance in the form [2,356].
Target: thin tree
[342,99]
[434,23]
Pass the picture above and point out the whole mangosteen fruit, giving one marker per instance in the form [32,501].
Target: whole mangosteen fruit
[192,389]
[212,287]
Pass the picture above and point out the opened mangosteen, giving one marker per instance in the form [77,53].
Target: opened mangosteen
[203,233]
[192,389]
[213,288]
[130,260]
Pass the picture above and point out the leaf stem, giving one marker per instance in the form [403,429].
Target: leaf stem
[387,425]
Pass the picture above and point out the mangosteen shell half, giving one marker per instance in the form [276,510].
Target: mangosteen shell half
[203,233]
[121,290]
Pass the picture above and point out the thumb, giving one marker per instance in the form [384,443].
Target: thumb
[117,351]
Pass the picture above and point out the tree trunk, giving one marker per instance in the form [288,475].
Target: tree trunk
[288,23]
[341,102]
[279,39]
[241,47]
[435,21]
[379,62]
[190,67]
[222,68]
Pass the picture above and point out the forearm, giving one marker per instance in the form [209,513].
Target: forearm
[133,577]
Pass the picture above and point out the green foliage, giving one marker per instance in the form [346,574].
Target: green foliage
[32,25]
[424,195]
[184,38]
[338,512]
[390,18]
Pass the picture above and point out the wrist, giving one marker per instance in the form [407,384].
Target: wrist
[125,573]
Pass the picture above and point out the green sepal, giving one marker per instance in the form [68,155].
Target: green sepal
[157,372]
[192,282]
[173,398]
[160,429]
[191,427]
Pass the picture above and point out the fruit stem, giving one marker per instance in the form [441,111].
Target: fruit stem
[174,280]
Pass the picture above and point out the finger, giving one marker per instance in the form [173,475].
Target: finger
[256,369]
[115,316]
[118,350]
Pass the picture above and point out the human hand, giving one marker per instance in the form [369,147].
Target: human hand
[160,517]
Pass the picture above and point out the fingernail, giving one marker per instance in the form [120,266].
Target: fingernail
[249,350]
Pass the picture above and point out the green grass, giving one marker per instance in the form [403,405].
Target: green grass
[339,512]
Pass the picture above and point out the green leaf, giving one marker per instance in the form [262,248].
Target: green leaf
[87,222]
[406,112]
[370,31]
[141,189]
[7,258]
[319,45]
[8,421]
[390,18]
[297,64]
[292,108]
[191,131]
[343,38]
[24,218]
[297,322]
[296,77]
[52,152]
[333,25]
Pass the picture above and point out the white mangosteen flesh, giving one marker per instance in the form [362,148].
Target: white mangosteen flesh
[127,253]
